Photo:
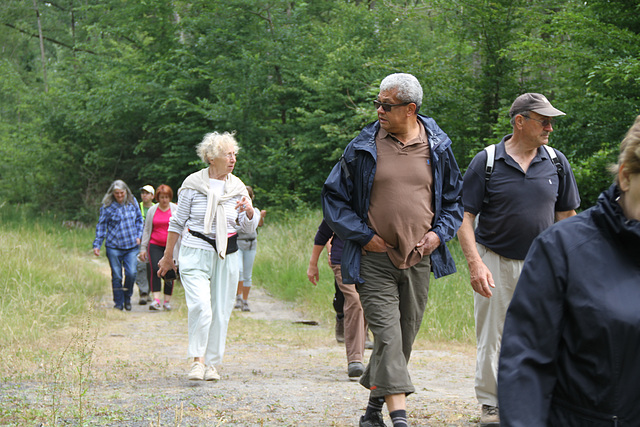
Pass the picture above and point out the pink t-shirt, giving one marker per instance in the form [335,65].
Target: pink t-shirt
[160,226]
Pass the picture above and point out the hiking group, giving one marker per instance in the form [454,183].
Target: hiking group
[555,293]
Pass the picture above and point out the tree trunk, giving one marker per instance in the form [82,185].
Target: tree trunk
[42,57]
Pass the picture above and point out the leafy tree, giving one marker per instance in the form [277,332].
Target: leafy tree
[134,86]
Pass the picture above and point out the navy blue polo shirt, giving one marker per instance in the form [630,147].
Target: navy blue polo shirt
[520,205]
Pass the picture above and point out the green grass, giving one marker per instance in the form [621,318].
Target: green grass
[449,313]
[281,264]
[49,278]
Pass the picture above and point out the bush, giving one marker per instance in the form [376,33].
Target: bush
[592,175]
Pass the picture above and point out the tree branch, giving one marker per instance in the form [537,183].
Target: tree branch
[75,49]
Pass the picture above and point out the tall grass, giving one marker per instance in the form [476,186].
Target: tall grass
[50,278]
[284,248]
[47,278]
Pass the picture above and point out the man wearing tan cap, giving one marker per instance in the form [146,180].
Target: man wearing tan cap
[142,279]
[528,187]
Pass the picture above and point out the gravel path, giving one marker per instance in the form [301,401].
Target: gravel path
[276,372]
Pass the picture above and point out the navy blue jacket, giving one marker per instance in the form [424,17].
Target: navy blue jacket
[347,192]
[571,343]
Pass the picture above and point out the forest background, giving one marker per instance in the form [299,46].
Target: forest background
[97,90]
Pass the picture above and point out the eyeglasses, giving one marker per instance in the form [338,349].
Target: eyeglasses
[544,122]
[387,107]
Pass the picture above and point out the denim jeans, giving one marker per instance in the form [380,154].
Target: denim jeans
[246,266]
[120,259]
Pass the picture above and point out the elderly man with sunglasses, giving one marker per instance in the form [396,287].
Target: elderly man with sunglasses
[394,198]
[526,191]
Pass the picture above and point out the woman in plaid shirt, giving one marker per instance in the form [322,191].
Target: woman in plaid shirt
[120,227]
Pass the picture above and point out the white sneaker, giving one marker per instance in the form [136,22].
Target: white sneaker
[238,302]
[197,371]
[210,374]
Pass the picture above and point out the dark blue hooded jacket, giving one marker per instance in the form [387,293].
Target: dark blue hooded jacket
[347,192]
[571,344]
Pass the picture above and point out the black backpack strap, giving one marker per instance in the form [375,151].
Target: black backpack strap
[555,160]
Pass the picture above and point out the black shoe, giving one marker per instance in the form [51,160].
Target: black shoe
[374,421]
[118,307]
[355,369]
[127,306]
[143,299]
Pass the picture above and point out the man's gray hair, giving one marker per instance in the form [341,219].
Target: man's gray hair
[118,184]
[512,120]
[409,89]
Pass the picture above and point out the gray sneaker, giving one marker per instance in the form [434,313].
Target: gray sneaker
[238,305]
[490,416]
[245,306]
[355,370]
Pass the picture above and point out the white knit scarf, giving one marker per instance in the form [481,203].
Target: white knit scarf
[199,181]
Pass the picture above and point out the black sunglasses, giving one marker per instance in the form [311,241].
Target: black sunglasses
[387,107]
[544,122]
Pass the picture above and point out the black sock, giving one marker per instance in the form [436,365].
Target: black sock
[374,405]
[399,418]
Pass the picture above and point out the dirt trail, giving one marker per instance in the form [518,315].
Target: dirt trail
[139,367]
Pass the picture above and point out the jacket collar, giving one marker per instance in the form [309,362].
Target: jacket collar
[608,214]
[438,139]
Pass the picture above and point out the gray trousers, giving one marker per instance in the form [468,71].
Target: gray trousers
[142,278]
[393,301]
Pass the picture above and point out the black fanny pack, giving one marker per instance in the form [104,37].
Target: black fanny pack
[232,241]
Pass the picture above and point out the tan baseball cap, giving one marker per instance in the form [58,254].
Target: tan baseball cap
[148,189]
[535,102]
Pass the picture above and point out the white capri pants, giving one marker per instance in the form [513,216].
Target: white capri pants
[210,285]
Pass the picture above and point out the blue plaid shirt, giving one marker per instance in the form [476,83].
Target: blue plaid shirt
[120,224]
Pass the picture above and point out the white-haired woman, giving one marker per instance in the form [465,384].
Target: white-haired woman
[120,227]
[213,205]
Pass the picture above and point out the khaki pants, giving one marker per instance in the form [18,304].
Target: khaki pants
[393,301]
[355,327]
[489,315]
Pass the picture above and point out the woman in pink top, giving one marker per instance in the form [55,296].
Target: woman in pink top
[154,241]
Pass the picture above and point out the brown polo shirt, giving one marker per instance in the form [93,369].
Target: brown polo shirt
[400,208]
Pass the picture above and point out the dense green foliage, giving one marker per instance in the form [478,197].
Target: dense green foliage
[125,89]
